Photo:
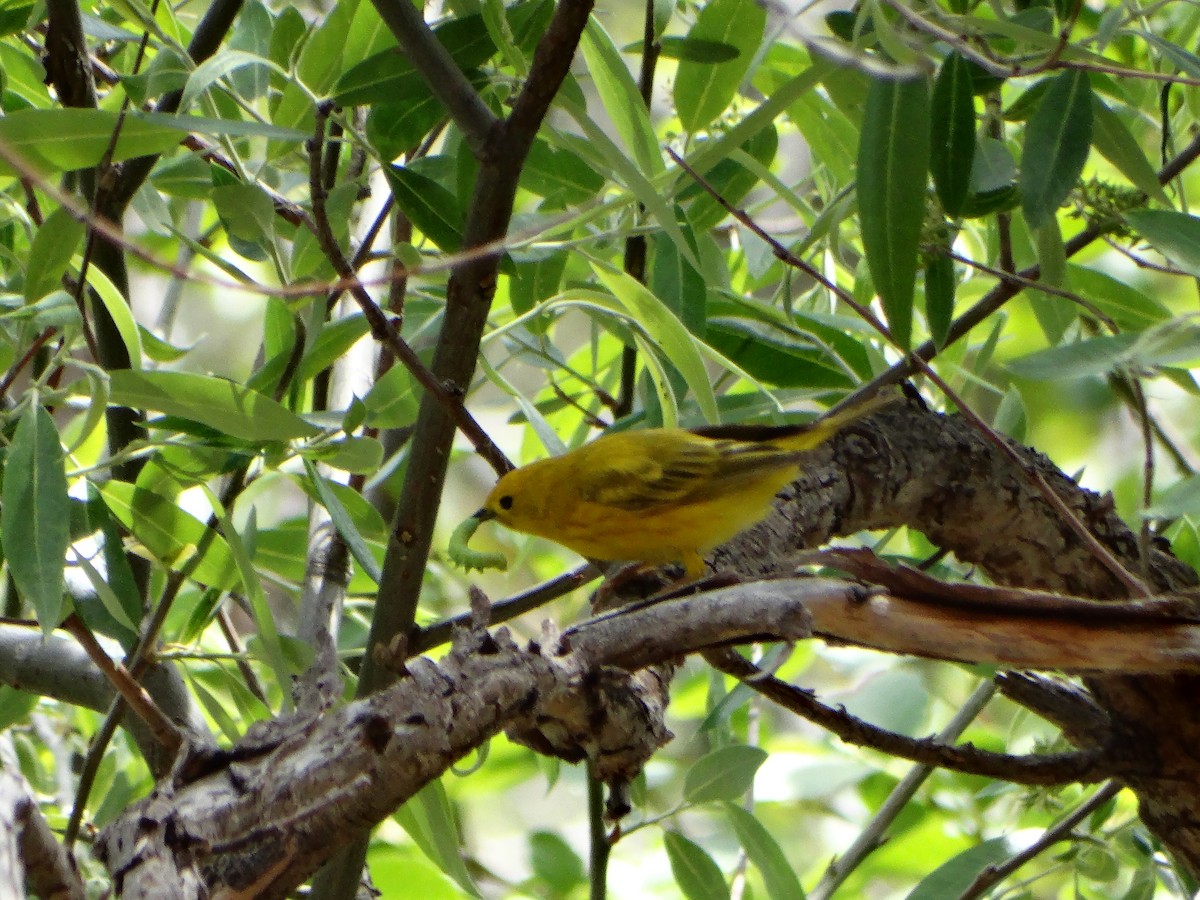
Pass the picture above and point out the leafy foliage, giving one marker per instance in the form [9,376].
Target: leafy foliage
[189,391]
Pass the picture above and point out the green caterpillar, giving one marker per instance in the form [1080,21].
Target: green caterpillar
[464,557]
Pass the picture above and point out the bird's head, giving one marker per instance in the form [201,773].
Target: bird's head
[517,501]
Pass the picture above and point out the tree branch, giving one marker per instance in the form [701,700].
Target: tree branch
[441,73]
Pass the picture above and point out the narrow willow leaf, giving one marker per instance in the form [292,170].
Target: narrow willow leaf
[429,820]
[673,339]
[698,877]
[218,66]
[344,524]
[264,620]
[228,407]
[1095,356]
[35,515]
[893,164]
[621,98]
[430,206]
[1057,140]
[940,286]
[170,534]
[703,89]
[1119,147]
[954,876]
[952,141]
[724,774]
[61,140]
[764,851]
[50,253]
[1174,234]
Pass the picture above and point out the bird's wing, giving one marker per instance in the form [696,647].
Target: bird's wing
[641,473]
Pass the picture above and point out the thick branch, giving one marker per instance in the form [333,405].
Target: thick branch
[261,817]
[469,296]
[30,848]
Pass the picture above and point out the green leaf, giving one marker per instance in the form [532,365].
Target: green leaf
[764,851]
[703,89]
[666,330]
[264,620]
[350,454]
[247,212]
[429,205]
[218,66]
[169,534]
[893,162]
[692,49]
[698,877]
[621,98]
[952,141]
[228,407]
[1057,140]
[429,821]
[1097,356]
[1174,234]
[61,140]
[1119,147]
[344,524]
[559,175]
[35,514]
[724,774]
[120,312]
[50,253]
[940,285]
[954,876]
[553,861]
[680,285]
[226,127]
[1128,307]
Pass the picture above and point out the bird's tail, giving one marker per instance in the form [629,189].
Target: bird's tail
[808,435]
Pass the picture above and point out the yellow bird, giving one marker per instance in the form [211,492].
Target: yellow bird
[660,495]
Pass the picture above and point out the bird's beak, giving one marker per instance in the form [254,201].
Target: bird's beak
[483,515]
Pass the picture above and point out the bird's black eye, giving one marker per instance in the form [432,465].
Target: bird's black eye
[506,502]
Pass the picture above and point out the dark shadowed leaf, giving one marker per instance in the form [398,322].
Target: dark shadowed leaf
[35,514]
[952,142]
[1057,140]
[893,162]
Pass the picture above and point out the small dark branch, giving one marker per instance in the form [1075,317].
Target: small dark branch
[19,366]
[1067,706]
[135,696]
[1050,769]
[225,624]
[382,328]
[440,72]
[1059,831]
[293,362]
[504,610]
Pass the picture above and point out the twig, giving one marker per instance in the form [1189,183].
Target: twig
[134,695]
[875,832]
[382,328]
[505,610]
[1059,768]
[992,875]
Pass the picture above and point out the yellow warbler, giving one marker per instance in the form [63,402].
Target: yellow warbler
[660,495]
